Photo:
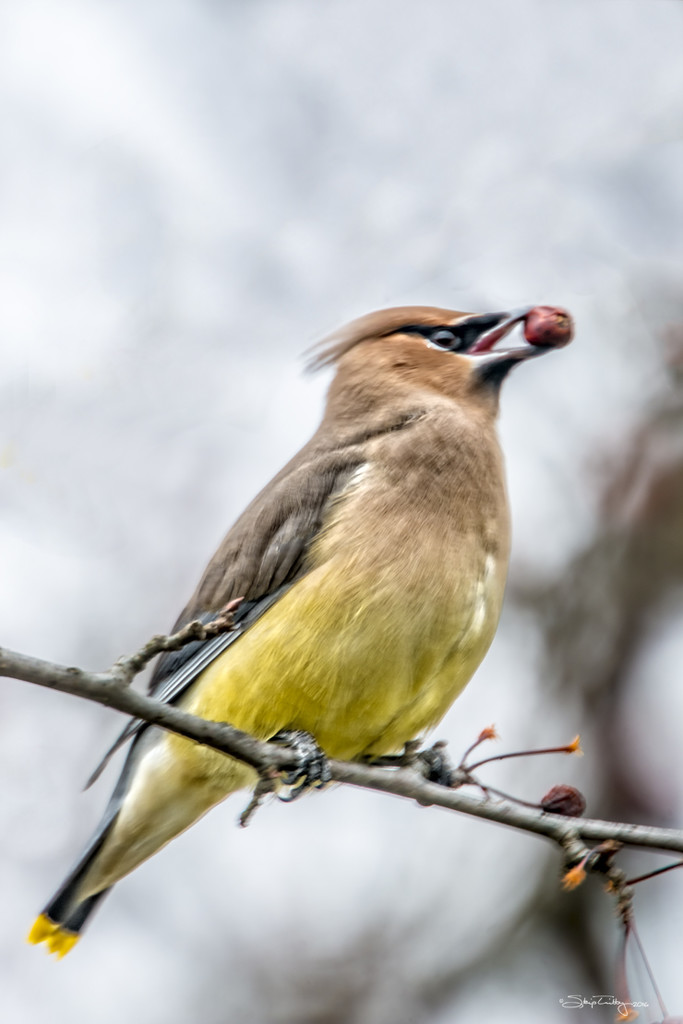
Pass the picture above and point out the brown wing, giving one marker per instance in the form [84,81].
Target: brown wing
[267,546]
[261,557]
[263,554]
[265,551]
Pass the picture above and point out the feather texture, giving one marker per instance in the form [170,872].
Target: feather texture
[372,569]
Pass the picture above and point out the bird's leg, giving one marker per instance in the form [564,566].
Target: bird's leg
[312,772]
[406,759]
[433,763]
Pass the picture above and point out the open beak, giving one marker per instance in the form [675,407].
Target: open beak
[491,335]
[482,332]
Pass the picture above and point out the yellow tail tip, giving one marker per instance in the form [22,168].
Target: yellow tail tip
[58,940]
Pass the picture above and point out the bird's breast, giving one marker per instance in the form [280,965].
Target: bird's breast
[398,607]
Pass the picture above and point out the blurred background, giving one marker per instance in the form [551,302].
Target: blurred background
[192,193]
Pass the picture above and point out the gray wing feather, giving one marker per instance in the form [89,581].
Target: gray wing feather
[263,555]
[171,687]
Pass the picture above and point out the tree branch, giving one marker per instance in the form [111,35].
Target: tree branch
[113,689]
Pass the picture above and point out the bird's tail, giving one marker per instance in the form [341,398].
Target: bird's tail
[61,922]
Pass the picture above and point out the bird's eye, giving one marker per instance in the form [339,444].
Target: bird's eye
[442,337]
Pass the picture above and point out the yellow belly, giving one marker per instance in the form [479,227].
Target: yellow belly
[366,651]
[359,664]
[356,662]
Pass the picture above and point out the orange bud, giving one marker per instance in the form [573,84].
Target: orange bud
[574,877]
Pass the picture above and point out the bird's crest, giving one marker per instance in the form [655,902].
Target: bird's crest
[379,324]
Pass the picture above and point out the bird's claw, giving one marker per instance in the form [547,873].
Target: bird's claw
[435,765]
[432,763]
[313,770]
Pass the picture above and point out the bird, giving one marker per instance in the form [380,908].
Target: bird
[368,577]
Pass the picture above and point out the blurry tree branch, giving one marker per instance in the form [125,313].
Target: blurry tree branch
[596,617]
[597,614]
[113,689]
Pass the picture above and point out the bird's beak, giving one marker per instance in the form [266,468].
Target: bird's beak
[486,330]
[493,327]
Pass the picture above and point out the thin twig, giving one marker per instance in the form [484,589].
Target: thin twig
[657,871]
[568,748]
[650,974]
[126,669]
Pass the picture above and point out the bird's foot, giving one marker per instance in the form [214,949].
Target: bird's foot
[312,771]
[435,765]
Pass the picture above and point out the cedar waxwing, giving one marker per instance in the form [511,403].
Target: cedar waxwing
[371,571]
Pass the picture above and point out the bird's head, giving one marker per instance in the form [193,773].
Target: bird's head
[441,350]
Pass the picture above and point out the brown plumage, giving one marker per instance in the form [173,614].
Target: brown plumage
[385,381]
[372,569]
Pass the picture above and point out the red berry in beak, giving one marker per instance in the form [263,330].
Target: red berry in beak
[548,327]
